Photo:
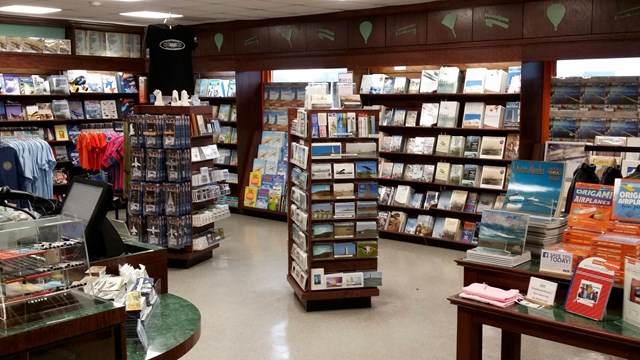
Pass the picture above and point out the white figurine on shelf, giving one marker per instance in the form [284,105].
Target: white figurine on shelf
[195,101]
[184,98]
[174,98]
[158,94]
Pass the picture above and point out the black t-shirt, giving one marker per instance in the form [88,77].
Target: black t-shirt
[170,52]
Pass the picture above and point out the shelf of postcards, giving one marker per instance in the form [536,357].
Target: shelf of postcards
[174,184]
[39,258]
[332,228]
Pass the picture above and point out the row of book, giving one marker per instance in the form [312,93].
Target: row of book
[454,200]
[344,170]
[100,43]
[340,125]
[596,93]
[227,157]
[226,135]
[472,146]
[472,175]
[34,44]
[73,81]
[361,249]
[225,112]
[445,228]
[265,191]
[587,129]
[476,115]
[215,88]
[447,80]
[343,210]
[67,110]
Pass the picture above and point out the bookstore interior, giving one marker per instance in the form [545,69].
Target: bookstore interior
[507,131]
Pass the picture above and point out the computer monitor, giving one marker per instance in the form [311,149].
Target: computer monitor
[90,201]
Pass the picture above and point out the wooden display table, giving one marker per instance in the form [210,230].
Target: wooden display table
[610,336]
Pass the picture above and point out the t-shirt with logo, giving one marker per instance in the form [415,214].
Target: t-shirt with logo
[170,50]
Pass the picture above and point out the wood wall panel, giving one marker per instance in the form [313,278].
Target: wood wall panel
[539,19]
[451,26]
[288,38]
[615,16]
[331,35]
[406,29]
[252,40]
[361,37]
[216,42]
[497,22]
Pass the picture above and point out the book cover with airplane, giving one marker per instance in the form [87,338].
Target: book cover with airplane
[535,188]
[626,200]
[591,206]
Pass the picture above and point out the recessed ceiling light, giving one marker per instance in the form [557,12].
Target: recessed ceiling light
[151,14]
[24,9]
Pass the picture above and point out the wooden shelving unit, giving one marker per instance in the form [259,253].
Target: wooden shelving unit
[310,270]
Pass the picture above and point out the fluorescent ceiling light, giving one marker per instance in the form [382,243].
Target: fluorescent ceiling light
[32,10]
[151,14]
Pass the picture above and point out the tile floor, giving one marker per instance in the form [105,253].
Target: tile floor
[249,310]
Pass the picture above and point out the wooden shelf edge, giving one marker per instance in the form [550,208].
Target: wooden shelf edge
[337,294]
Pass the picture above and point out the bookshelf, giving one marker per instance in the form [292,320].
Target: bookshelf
[420,152]
[333,240]
[192,216]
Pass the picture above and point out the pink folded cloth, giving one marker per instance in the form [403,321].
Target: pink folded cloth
[502,304]
[490,293]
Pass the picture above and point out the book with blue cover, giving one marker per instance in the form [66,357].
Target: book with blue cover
[626,200]
[535,188]
[262,198]
[589,128]
[563,128]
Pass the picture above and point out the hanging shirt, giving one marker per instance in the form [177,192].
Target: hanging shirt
[11,173]
[170,51]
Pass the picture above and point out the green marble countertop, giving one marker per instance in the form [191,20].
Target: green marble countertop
[173,322]
[70,305]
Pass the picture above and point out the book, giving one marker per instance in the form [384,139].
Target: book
[417,200]
[15,112]
[61,132]
[448,114]
[61,153]
[457,146]
[590,288]
[512,147]
[410,226]
[493,117]
[366,229]
[485,201]
[400,85]
[471,203]
[411,118]
[429,114]
[366,248]
[11,84]
[322,231]
[429,81]
[399,117]
[396,222]
[451,229]
[535,187]
[386,170]
[58,84]
[591,206]
[455,174]
[383,219]
[473,116]
[631,295]
[443,144]
[448,80]
[127,83]
[387,87]
[458,200]
[40,84]
[92,109]
[468,231]
[442,173]
[403,195]
[26,86]
[471,175]
[109,83]
[438,228]
[626,200]
[45,111]
[431,198]
[429,143]
[397,171]
[414,86]
[474,81]
[424,225]
[472,146]
[322,251]
[428,170]
[514,76]
[109,109]
[492,147]
[31,112]
[492,177]
[503,230]
[444,200]
[495,81]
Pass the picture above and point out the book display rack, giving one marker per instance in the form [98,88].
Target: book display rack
[447,139]
[174,181]
[333,240]
[219,90]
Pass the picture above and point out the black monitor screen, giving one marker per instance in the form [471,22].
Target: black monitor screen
[90,201]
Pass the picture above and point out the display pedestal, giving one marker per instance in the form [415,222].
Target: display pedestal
[185,260]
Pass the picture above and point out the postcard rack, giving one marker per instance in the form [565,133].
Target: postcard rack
[333,238]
